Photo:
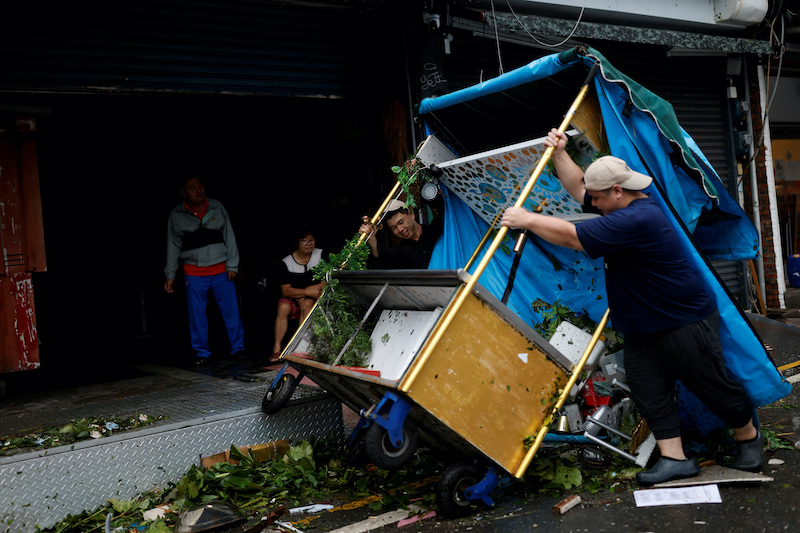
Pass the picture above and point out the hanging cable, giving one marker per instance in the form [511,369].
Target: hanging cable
[522,25]
[781,47]
[554,45]
[497,40]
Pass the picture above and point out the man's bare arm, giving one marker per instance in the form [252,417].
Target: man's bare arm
[569,173]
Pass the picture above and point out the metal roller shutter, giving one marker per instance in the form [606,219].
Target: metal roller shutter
[195,46]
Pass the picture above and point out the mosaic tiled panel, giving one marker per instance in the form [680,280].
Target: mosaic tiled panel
[489,182]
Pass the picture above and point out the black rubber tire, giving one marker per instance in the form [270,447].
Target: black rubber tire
[450,496]
[383,453]
[277,397]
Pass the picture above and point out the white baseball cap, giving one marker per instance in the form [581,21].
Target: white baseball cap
[394,205]
[608,171]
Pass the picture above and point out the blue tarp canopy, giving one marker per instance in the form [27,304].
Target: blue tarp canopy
[640,128]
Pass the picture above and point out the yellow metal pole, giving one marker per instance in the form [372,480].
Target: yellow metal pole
[379,213]
[479,247]
[486,236]
[526,461]
[374,220]
[453,309]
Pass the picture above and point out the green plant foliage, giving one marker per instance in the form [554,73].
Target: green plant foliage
[555,313]
[774,442]
[75,431]
[311,471]
[557,473]
[353,256]
[411,175]
[336,319]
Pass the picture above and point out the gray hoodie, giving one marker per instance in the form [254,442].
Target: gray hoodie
[201,243]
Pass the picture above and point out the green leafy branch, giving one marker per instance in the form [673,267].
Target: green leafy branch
[411,175]
[75,431]
[312,470]
[337,319]
[555,313]
[353,256]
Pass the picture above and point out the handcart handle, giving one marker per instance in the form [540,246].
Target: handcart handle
[379,213]
[562,397]
[361,238]
[451,311]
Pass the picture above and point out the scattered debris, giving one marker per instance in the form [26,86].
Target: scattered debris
[717,474]
[75,431]
[316,508]
[775,462]
[678,496]
[374,522]
[207,516]
[159,511]
[267,520]
[566,504]
[290,527]
[415,518]
[259,453]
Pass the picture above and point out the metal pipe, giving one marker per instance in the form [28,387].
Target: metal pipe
[451,311]
[754,187]
[773,198]
[486,235]
[379,213]
[562,397]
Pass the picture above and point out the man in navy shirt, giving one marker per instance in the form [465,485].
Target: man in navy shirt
[669,320]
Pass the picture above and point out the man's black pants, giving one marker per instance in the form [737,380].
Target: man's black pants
[693,355]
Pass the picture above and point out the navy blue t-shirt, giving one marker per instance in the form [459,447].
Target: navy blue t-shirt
[650,285]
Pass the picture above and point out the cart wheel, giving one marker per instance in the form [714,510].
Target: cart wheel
[450,490]
[277,396]
[383,453]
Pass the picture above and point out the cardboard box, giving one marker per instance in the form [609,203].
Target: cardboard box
[259,452]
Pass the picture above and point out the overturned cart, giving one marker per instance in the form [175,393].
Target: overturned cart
[453,356]
[482,386]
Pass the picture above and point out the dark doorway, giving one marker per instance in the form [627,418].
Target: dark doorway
[111,168]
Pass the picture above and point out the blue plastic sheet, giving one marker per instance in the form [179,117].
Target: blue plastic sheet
[711,223]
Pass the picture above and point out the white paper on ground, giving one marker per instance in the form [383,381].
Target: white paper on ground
[316,508]
[677,496]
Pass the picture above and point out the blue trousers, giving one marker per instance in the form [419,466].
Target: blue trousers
[224,291]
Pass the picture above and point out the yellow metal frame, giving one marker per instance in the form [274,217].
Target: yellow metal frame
[361,238]
[451,310]
[464,291]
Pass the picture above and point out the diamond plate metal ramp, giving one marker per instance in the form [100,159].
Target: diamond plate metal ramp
[42,488]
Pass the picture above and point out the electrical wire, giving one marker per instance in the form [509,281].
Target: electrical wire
[497,40]
[522,24]
[781,47]
[551,45]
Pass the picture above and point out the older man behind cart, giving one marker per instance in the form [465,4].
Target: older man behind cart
[199,234]
[669,319]
[417,240]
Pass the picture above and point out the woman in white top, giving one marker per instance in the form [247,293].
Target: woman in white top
[299,291]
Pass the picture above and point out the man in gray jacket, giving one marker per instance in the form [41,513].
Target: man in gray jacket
[199,233]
